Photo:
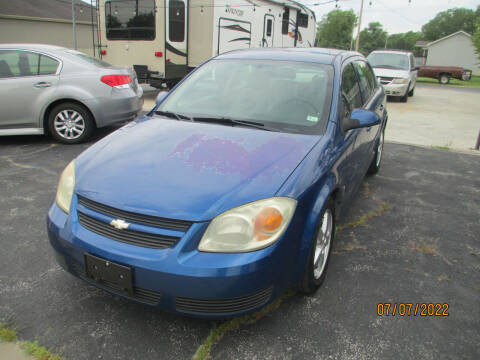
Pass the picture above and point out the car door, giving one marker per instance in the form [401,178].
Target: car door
[268,22]
[372,100]
[351,98]
[26,80]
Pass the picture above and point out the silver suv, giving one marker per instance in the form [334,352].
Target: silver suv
[50,89]
[396,71]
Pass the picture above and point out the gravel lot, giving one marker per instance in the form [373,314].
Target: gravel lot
[410,236]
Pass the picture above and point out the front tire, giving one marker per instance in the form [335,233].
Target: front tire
[70,123]
[319,255]
[377,159]
[411,92]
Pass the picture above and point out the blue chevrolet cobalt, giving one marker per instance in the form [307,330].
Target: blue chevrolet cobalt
[227,193]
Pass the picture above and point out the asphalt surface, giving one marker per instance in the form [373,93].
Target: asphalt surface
[417,243]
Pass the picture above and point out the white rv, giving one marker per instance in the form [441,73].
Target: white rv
[165,39]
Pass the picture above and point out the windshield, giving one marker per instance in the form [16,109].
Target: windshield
[283,96]
[89,59]
[389,61]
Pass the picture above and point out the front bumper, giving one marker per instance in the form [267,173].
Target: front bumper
[396,89]
[179,278]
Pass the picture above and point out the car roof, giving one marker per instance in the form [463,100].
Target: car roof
[402,52]
[312,55]
[35,47]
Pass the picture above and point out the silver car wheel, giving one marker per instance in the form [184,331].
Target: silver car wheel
[322,246]
[379,149]
[69,124]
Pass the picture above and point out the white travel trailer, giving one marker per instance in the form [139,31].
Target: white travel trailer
[165,39]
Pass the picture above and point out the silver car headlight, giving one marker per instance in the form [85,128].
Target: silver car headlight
[65,187]
[249,227]
[400,81]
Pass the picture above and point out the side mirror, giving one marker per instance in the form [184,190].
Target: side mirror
[416,68]
[161,95]
[360,118]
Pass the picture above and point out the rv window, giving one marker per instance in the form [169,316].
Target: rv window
[302,20]
[130,19]
[285,21]
[269,27]
[176,15]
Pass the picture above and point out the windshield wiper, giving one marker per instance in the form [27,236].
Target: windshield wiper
[232,122]
[173,115]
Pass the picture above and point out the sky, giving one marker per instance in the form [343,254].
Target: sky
[396,16]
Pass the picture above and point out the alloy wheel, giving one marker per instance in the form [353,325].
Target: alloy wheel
[69,124]
[322,245]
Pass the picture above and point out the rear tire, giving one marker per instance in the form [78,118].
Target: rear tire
[444,79]
[70,123]
[320,249]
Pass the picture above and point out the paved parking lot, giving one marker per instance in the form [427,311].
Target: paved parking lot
[410,236]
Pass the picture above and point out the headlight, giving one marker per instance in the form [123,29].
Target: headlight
[65,187]
[249,227]
[400,81]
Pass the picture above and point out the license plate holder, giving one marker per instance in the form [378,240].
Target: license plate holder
[105,271]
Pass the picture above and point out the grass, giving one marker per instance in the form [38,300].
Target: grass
[441,147]
[364,218]
[473,83]
[38,352]
[218,332]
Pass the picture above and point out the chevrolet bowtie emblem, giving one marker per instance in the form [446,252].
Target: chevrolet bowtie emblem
[119,224]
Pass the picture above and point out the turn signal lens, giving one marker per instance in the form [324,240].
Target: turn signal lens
[117,81]
[267,222]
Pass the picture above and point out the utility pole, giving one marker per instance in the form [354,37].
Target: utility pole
[357,44]
[74,26]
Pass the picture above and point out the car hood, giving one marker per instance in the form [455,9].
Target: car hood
[187,171]
[395,73]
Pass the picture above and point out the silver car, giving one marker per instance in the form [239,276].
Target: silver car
[53,90]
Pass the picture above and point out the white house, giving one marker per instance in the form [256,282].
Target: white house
[454,50]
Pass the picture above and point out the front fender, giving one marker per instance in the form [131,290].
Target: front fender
[310,225]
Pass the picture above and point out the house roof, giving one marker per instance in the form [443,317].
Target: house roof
[49,9]
[447,37]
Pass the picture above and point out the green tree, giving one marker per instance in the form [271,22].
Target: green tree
[372,38]
[405,41]
[335,30]
[476,38]
[450,21]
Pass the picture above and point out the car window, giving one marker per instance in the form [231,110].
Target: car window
[15,63]
[47,65]
[285,96]
[130,20]
[350,88]
[412,61]
[89,59]
[367,82]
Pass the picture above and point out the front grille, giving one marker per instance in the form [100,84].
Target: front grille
[151,297]
[223,306]
[141,219]
[385,80]
[154,241]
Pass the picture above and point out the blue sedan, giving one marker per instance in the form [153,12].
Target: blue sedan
[227,193]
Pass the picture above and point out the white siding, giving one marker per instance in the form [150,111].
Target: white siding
[457,50]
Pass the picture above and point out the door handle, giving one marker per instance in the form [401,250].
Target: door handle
[42,84]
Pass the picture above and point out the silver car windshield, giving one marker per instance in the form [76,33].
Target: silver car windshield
[389,61]
[280,95]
